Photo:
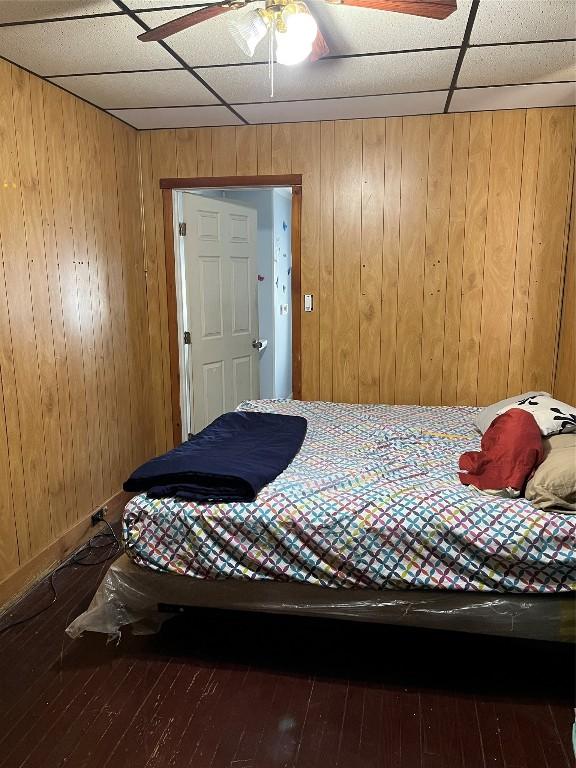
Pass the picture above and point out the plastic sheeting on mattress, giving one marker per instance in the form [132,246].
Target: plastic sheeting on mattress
[144,599]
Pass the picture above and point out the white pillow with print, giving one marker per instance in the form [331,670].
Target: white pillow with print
[552,416]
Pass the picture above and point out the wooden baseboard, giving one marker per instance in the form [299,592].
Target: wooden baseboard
[19,581]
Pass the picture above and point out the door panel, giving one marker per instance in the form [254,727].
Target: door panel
[211,296]
[221,297]
[209,226]
[242,375]
[239,228]
[213,390]
[240,296]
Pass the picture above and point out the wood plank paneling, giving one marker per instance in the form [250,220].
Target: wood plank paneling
[74,361]
[565,382]
[456,229]
[48,415]
[373,142]
[436,258]
[473,258]
[163,160]
[390,258]
[264,138]
[281,148]
[223,151]
[305,160]
[413,199]
[499,266]
[528,189]
[326,340]
[247,150]
[549,238]
[347,248]
[187,152]
[204,144]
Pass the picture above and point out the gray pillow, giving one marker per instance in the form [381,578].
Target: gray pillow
[486,416]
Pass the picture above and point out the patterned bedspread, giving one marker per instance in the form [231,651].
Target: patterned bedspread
[372,500]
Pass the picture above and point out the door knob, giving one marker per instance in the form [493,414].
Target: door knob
[260,343]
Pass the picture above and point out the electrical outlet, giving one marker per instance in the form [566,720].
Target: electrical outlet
[99,515]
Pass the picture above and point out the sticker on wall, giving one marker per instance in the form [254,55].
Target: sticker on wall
[284,289]
[260,278]
[289,270]
[284,226]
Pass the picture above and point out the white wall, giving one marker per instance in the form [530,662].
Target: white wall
[282,214]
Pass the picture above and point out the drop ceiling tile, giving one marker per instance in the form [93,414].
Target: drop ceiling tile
[85,45]
[520,20]
[178,117]
[28,10]
[511,64]
[372,75]
[346,30]
[139,89]
[343,109]
[514,97]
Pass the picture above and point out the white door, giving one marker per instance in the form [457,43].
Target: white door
[221,296]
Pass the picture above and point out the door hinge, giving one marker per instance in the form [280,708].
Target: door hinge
[182,229]
[187,338]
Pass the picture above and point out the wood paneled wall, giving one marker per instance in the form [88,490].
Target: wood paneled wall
[565,385]
[434,246]
[74,351]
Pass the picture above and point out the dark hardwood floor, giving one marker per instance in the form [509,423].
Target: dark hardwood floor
[224,690]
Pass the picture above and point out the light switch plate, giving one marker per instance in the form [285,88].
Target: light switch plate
[308,302]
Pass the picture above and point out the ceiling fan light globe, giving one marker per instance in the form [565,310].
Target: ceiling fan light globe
[248,30]
[302,25]
[291,50]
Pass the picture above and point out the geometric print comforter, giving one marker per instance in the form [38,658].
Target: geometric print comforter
[372,500]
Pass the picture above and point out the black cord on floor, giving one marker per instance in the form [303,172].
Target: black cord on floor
[80,557]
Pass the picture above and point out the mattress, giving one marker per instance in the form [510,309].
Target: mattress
[371,501]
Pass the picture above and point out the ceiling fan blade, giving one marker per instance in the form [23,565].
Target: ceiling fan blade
[183,22]
[431,9]
[319,47]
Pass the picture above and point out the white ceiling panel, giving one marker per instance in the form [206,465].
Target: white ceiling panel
[346,30]
[28,10]
[514,97]
[372,75]
[139,89]
[510,64]
[344,109]
[178,117]
[86,45]
[510,21]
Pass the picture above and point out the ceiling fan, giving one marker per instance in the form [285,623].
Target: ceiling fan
[292,29]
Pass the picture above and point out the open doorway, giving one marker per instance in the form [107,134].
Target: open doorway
[234,299]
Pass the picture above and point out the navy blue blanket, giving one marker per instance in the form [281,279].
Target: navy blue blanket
[232,459]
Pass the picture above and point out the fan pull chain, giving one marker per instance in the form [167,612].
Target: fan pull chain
[271,57]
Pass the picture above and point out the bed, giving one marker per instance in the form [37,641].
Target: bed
[369,522]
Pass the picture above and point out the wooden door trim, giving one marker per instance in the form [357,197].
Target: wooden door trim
[271,180]
[168,186]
